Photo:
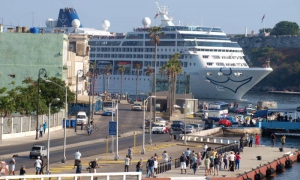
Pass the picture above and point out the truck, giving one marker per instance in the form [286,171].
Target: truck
[38,150]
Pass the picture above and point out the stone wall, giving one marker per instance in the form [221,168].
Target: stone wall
[286,41]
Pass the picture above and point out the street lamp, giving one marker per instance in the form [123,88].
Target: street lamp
[143,148]
[81,73]
[48,149]
[64,159]
[150,128]
[42,71]
[117,144]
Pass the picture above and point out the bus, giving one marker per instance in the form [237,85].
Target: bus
[220,106]
[109,106]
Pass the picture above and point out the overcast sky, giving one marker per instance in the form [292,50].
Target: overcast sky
[231,15]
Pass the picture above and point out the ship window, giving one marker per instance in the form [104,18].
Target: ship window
[194,64]
[220,64]
[173,50]
[245,64]
[125,78]
[215,57]
[215,50]
[227,64]
[185,64]
[209,63]
[205,56]
[223,50]
[232,64]
[157,49]
[92,55]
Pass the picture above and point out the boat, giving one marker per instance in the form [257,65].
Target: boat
[216,65]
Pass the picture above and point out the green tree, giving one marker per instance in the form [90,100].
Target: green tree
[121,70]
[285,28]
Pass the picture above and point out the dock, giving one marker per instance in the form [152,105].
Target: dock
[284,92]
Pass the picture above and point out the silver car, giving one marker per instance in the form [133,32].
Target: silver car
[189,129]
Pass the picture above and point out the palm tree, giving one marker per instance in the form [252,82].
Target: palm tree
[107,72]
[154,33]
[149,70]
[137,69]
[121,70]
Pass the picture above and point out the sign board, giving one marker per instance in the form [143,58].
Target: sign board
[112,128]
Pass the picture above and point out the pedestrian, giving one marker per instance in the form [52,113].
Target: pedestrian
[43,165]
[225,160]
[198,160]
[150,167]
[216,165]
[170,163]
[250,140]
[155,155]
[127,162]
[207,166]
[38,165]
[231,161]
[93,165]
[155,165]
[187,154]
[194,162]
[41,131]
[283,141]
[12,165]
[139,166]
[256,140]
[273,139]
[23,170]
[45,127]
[237,161]
[165,156]
[78,168]
[220,156]
[183,160]
[247,138]
[205,151]
[130,153]
[171,134]
[77,157]
[241,144]
[191,159]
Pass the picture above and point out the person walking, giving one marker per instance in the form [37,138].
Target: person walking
[225,160]
[207,166]
[165,156]
[38,165]
[257,140]
[41,131]
[171,134]
[194,162]
[130,153]
[45,127]
[273,139]
[237,161]
[198,160]
[220,156]
[231,161]
[283,138]
[191,159]
[216,165]
[139,166]
[23,170]
[250,140]
[187,154]
[241,143]
[127,162]
[77,158]
[150,167]
[78,168]
[12,165]
[183,160]
[155,165]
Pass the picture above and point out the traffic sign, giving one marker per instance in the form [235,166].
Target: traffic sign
[112,128]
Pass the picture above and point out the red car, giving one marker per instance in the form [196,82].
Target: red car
[225,123]
[240,111]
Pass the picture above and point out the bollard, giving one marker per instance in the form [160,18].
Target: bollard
[228,141]
[201,139]
[221,141]
[215,140]
[207,140]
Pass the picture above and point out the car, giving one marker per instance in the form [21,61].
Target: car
[240,111]
[189,129]
[177,127]
[136,107]
[159,128]
[38,150]
[199,113]
[161,120]
[225,123]
[178,122]
[81,117]
[232,109]
[108,113]
[198,127]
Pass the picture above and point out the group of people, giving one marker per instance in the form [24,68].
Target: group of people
[42,129]
[273,140]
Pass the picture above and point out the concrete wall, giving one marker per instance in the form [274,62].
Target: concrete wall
[23,54]
[279,125]
[240,131]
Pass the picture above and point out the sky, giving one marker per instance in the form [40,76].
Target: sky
[124,15]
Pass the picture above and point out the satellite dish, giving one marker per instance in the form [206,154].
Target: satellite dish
[146,21]
[75,23]
[105,25]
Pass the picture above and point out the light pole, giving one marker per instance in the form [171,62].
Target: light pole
[185,108]
[81,72]
[42,71]
[112,136]
[64,159]
[117,143]
[150,126]
[48,146]
[143,148]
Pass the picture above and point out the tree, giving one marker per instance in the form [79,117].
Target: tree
[121,70]
[154,33]
[286,28]
[137,69]
[149,70]
[107,72]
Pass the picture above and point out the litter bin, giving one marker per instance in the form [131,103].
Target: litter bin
[67,123]
[73,123]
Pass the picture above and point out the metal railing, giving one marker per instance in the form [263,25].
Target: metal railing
[164,166]
[91,176]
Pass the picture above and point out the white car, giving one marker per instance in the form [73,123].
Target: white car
[159,128]
[136,107]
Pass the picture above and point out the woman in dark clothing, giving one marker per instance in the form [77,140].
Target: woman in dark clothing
[22,170]
[78,168]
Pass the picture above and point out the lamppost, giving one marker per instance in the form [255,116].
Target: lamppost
[81,72]
[48,147]
[143,148]
[117,143]
[150,126]
[64,159]
[42,71]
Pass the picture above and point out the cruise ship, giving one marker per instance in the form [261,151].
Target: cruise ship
[216,65]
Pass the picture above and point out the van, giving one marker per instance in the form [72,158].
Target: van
[81,117]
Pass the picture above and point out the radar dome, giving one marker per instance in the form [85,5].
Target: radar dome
[49,22]
[75,23]
[146,21]
[105,24]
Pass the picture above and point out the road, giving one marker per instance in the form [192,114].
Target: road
[128,121]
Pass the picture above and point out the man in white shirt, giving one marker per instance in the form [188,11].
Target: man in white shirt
[77,157]
[12,165]
[127,162]
[231,161]
[38,165]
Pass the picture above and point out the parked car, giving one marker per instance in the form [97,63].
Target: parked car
[159,128]
[108,113]
[189,129]
[38,150]
[199,113]
[240,111]
[137,106]
[178,122]
[161,120]
[232,109]
[81,117]
[225,123]
[198,127]
[177,127]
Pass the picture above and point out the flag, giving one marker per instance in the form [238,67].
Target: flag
[156,15]
[262,19]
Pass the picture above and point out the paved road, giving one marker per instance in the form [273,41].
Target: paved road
[128,121]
